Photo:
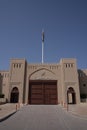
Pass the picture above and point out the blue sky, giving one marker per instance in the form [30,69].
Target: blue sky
[65,27]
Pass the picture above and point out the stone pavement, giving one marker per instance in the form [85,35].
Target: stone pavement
[8,109]
[78,109]
[43,117]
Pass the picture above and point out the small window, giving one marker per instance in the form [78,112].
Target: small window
[84,85]
[5,75]
[66,65]
[14,65]
[71,65]
[19,65]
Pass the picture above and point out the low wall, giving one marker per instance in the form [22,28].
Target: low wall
[2,100]
[84,100]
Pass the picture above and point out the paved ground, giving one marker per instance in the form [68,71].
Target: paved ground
[78,110]
[43,117]
[8,109]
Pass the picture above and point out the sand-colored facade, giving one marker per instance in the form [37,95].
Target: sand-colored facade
[70,84]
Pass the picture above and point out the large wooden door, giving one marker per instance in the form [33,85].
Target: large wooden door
[36,94]
[43,93]
[50,93]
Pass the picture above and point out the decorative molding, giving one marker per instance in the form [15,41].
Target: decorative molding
[43,75]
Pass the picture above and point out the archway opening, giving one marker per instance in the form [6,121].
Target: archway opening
[14,95]
[71,96]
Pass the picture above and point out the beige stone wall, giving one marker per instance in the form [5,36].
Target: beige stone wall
[83,81]
[64,72]
[17,73]
[0,83]
[5,83]
[69,78]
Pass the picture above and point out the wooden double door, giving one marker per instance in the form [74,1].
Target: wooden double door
[43,92]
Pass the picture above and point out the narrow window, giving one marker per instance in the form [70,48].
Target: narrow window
[66,65]
[14,65]
[19,65]
[84,85]
[71,65]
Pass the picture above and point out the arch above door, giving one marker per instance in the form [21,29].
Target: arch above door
[43,74]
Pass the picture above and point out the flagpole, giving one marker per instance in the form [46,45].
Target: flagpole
[42,52]
[42,46]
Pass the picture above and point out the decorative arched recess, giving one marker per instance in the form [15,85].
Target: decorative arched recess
[43,74]
[71,96]
[14,95]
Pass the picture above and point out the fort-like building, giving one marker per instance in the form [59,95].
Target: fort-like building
[44,83]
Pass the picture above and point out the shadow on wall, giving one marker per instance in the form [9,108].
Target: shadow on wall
[1,81]
[83,85]
[2,96]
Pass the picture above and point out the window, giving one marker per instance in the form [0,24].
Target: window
[66,65]
[14,65]
[84,85]
[19,65]
[71,65]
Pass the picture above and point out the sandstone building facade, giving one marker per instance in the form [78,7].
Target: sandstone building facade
[43,83]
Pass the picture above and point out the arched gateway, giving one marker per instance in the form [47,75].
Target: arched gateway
[14,95]
[42,88]
[71,97]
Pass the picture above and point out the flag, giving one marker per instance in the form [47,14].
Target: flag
[42,36]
